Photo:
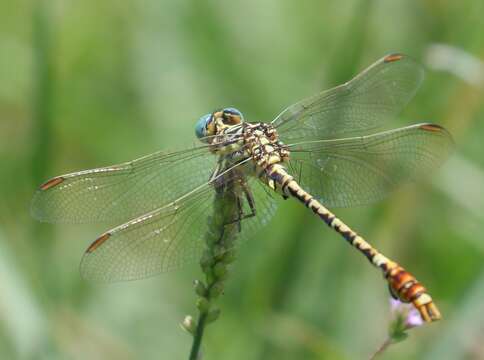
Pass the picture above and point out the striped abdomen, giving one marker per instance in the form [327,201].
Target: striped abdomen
[402,284]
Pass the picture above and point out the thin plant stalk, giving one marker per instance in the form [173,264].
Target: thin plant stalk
[223,227]
[382,348]
[197,337]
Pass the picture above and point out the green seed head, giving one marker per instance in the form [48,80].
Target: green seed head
[200,288]
[220,269]
[203,305]
[216,290]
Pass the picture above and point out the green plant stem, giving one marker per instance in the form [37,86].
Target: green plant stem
[382,348]
[197,337]
[218,255]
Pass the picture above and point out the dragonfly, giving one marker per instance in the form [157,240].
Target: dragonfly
[333,149]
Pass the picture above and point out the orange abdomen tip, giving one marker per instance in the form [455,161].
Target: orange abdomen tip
[406,288]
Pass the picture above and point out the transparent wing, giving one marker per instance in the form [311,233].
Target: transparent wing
[167,238]
[358,107]
[361,170]
[125,191]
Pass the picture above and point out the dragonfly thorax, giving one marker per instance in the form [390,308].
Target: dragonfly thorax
[236,141]
[264,146]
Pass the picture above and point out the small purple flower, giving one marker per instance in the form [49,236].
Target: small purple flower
[406,313]
[413,318]
[404,317]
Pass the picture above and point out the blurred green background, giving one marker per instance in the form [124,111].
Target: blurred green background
[91,83]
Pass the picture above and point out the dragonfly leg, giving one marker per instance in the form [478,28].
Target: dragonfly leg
[402,284]
[240,212]
[250,201]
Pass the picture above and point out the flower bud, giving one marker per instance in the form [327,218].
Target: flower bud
[213,315]
[203,305]
[220,269]
[229,256]
[207,260]
[200,288]
[188,324]
[216,289]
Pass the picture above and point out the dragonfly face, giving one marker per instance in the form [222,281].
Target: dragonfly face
[214,123]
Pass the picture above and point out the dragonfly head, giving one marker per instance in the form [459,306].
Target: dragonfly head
[212,124]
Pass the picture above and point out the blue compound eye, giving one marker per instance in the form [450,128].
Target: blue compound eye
[201,126]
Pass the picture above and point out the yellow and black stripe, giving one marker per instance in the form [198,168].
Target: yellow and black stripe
[403,285]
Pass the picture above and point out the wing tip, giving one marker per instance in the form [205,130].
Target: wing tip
[436,128]
[98,242]
[51,183]
[393,57]
[441,131]
[432,127]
